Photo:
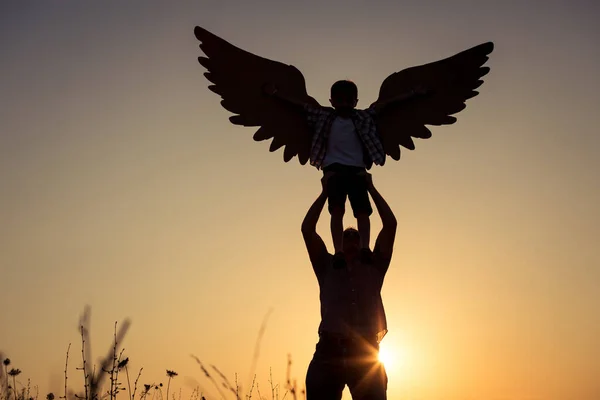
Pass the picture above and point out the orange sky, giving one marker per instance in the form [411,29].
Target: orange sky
[125,187]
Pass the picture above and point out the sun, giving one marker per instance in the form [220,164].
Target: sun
[393,356]
[387,355]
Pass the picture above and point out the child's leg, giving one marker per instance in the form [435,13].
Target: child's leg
[361,206]
[337,203]
[364,229]
[337,229]
[336,195]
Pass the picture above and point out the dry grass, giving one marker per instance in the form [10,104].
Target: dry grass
[105,382]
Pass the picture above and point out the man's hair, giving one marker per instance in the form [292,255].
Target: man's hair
[344,88]
[350,231]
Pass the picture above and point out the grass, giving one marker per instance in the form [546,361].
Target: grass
[105,382]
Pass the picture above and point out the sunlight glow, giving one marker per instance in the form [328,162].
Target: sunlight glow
[394,355]
[387,355]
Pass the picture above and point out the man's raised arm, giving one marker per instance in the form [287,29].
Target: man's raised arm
[315,246]
[385,239]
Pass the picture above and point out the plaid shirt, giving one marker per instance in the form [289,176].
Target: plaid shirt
[320,120]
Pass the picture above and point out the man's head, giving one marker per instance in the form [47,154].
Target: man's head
[344,95]
[351,241]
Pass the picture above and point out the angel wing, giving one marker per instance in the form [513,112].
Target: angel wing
[238,77]
[452,81]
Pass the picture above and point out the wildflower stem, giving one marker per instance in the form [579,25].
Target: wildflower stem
[66,367]
[114,366]
[85,375]
[128,382]
[6,363]
[135,383]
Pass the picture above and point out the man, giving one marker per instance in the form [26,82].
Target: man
[352,316]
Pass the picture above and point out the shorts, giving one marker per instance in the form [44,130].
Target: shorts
[348,183]
[335,365]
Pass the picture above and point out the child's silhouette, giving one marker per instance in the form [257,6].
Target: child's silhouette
[344,143]
[342,139]
[242,78]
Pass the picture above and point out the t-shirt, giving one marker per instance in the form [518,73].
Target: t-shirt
[320,120]
[351,297]
[343,145]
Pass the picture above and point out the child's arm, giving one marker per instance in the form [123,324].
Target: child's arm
[271,90]
[417,91]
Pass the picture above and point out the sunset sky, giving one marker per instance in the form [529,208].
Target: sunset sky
[124,186]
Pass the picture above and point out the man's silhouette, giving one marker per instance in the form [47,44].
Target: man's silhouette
[352,316]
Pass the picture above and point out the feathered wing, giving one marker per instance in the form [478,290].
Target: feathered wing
[452,81]
[238,77]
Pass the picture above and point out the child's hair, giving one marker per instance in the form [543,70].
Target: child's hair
[344,88]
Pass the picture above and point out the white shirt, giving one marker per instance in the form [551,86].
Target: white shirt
[344,145]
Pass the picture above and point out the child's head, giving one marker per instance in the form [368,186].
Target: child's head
[344,95]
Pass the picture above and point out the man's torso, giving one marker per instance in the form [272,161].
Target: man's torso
[351,298]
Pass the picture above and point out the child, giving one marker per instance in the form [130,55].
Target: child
[345,144]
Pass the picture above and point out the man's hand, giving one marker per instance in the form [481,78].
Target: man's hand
[269,89]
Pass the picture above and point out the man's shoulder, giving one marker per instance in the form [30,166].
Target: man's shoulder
[325,259]
[321,266]
[381,260]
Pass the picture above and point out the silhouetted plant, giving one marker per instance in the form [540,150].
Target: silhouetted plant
[124,365]
[112,364]
[66,368]
[14,372]
[6,363]
[171,375]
